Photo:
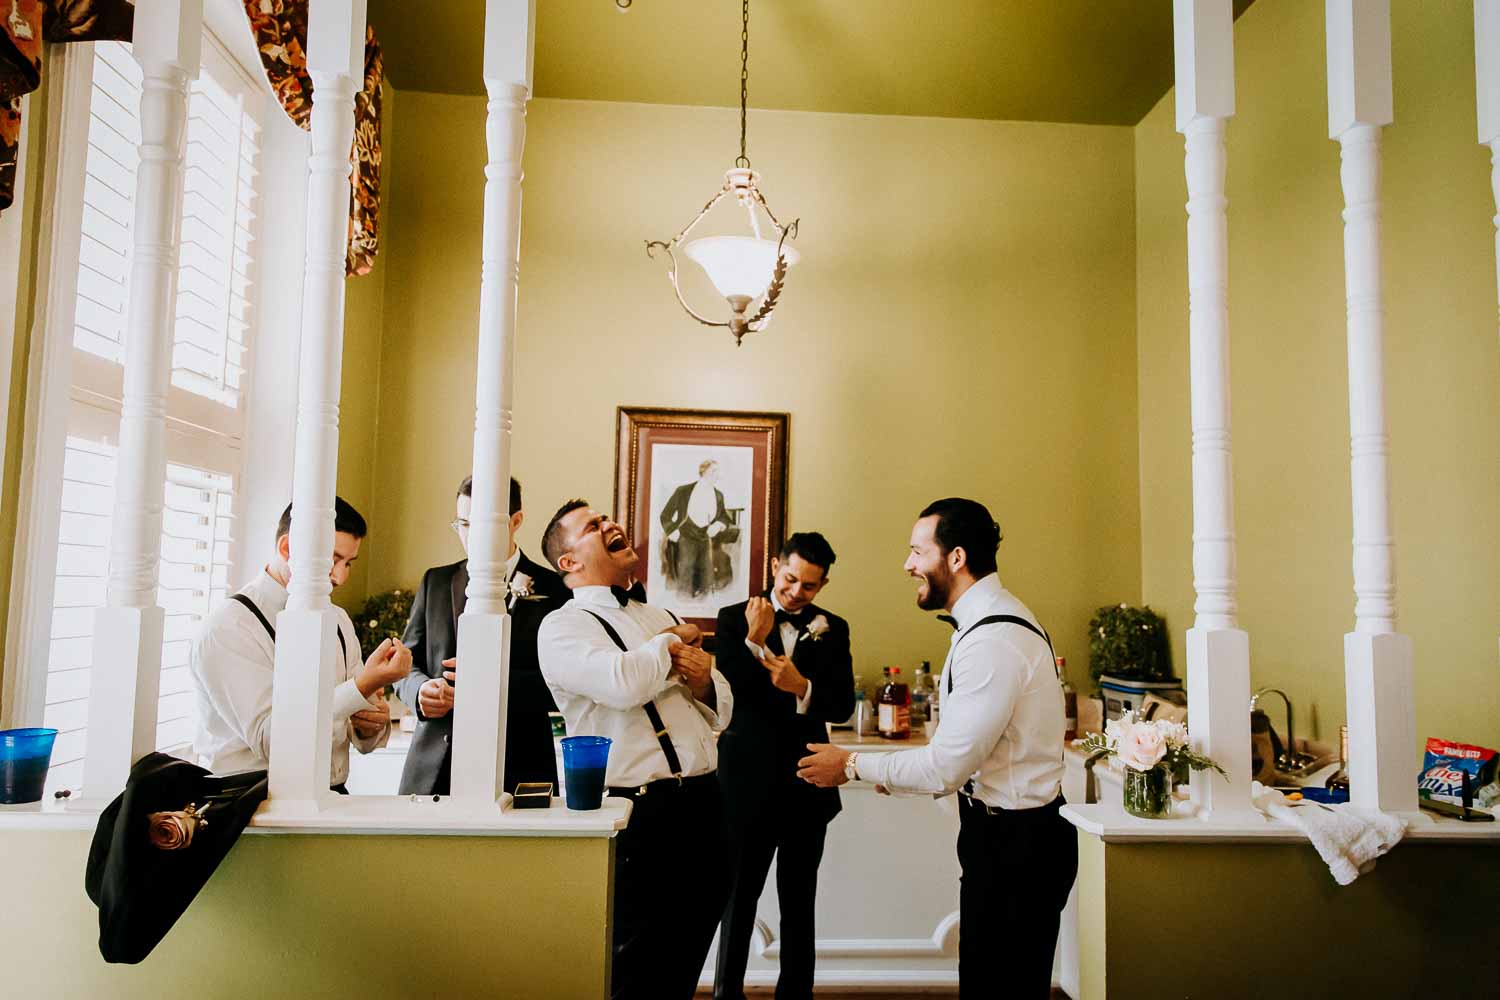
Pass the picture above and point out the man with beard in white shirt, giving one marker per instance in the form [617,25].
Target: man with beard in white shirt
[999,745]
[620,668]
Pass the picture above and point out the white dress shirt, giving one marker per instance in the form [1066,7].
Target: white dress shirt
[703,504]
[1002,723]
[602,691]
[233,660]
[788,642]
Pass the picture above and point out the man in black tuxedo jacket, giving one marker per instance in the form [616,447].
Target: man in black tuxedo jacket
[432,635]
[693,524]
[788,665]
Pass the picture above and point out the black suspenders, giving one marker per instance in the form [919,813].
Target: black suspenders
[999,620]
[657,726]
[261,617]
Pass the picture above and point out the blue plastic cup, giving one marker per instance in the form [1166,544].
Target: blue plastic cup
[584,758]
[25,755]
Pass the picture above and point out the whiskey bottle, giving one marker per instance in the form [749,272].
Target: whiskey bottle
[894,706]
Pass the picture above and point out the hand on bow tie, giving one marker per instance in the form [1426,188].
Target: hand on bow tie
[637,592]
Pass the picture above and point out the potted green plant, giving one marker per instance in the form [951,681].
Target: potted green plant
[1129,644]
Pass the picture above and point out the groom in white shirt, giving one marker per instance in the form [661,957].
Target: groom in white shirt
[620,668]
[999,745]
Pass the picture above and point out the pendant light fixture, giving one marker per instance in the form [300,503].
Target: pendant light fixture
[744,269]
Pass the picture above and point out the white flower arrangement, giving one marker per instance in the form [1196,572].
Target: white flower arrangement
[1156,755]
[1142,745]
[817,628]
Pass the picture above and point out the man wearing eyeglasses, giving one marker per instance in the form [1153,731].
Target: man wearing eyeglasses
[432,635]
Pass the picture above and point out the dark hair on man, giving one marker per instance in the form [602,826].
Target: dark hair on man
[966,524]
[553,543]
[812,547]
[466,489]
[345,519]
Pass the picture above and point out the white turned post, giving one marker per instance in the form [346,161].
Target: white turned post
[306,643]
[484,627]
[126,676]
[1377,659]
[1218,651]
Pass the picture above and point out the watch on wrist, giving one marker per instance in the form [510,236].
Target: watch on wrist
[851,766]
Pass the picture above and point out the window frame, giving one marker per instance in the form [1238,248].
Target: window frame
[52,363]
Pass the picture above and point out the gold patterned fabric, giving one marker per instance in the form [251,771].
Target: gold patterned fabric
[24,25]
[280,28]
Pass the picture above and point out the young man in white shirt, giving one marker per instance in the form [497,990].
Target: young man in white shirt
[233,658]
[620,668]
[999,745]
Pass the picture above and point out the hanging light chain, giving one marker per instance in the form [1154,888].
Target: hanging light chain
[743,160]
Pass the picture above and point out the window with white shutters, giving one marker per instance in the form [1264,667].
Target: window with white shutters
[205,408]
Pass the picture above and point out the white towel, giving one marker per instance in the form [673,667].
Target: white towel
[1347,839]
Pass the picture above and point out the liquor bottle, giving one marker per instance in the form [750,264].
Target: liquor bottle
[862,720]
[1338,781]
[921,694]
[1070,702]
[895,706]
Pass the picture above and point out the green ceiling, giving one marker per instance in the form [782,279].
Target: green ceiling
[1099,61]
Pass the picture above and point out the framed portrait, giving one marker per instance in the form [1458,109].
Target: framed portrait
[702,497]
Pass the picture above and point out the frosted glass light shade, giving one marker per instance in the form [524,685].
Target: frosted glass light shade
[738,265]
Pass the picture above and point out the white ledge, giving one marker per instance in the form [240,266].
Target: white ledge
[1113,825]
[381,815]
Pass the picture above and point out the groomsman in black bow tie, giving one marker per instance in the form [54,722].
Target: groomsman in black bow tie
[788,663]
[432,635]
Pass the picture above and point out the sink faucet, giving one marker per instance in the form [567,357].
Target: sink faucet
[1290,760]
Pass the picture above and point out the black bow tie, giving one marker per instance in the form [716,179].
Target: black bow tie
[637,592]
[799,620]
[949,620]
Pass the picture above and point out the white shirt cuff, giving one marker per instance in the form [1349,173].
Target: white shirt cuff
[805,700]
[347,700]
[757,650]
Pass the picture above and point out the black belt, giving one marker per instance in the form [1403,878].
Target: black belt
[661,786]
[966,794]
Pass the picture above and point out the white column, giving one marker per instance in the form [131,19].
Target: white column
[1377,658]
[1218,651]
[306,643]
[484,627]
[126,676]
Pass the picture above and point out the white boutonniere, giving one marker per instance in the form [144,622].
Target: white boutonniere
[817,628]
[520,587]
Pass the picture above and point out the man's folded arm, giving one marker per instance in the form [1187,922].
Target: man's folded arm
[577,655]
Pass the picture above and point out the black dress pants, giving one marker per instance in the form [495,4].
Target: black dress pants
[798,848]
[1018,868]
[671,882]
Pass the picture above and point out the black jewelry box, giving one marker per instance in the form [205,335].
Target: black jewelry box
[532,795]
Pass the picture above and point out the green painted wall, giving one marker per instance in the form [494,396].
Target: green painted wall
[961,323]
[328,917]
[1289,382]
[1226,921]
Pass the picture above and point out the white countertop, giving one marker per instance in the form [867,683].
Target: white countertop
[390,815]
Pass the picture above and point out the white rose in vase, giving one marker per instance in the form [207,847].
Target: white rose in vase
[1141,745]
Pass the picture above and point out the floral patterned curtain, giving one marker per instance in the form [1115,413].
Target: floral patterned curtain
[280,28]
[24,25]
